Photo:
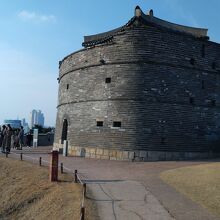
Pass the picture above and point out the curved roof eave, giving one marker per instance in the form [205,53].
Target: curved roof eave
[197,32]
[149,20]
[101,35]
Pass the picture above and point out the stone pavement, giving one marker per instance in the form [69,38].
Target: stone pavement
[128,200]
[126,190]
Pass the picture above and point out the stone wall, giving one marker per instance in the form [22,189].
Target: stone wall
[43,139]
[164,90]
[137,155]
[46,139]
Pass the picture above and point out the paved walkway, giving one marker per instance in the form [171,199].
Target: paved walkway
[126,190]
[128,200]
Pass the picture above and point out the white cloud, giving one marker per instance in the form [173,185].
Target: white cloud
[32,16]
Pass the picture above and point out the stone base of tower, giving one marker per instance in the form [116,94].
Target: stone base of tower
[137,155]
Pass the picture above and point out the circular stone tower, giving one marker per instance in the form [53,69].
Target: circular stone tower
[148,90]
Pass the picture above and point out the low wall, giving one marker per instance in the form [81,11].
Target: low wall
[100,153]
[43,139]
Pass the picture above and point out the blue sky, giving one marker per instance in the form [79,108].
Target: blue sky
[36,34]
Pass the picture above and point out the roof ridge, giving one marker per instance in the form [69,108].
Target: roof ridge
[139,19]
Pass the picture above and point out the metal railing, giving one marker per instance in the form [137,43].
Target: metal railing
[40,161]
[77,179]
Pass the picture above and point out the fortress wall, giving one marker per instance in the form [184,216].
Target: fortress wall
[140,81]
[143,131]
[148,45]
[163,101]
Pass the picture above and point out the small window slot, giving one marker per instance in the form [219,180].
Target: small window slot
[191,100]
[213,102]
[102,61]
[213,65]
[108,80]
[203,84]
[192,61]
[99,123]
[117,124]
[163,140]
[203,50]
[67,86]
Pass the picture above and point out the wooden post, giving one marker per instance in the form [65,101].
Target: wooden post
[54,166]
[82,216]
[21,156]
[61,167]
[84,190]
[75,179]
[40,161]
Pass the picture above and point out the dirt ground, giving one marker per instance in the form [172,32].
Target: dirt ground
[201,183]
[26,193]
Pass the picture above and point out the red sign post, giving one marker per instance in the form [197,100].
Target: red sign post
[54,166]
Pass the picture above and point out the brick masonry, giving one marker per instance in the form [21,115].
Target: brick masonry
[164,90]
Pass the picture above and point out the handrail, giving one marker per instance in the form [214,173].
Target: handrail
[77,178]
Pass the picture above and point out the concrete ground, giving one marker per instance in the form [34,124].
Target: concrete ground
[128,190]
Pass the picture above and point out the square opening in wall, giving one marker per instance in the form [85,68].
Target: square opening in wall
[213,102]
[99,123]
[192,61]
[203,84]
[117,124]
[213,65]
[108,80]
[203,50]
[162,140]
[191,100]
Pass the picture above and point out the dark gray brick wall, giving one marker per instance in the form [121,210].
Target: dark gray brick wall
[152,81]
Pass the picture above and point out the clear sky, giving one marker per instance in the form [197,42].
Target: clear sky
[36,34]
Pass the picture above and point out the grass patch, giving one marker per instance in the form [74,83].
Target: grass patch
[27,193]
[201,183]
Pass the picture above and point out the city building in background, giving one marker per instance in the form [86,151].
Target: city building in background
[36,118]
[25,125]
[13,123]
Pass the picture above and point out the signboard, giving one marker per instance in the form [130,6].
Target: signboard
[65,148]
[35,137]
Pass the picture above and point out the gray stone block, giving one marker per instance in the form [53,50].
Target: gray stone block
[131,155]
[125,155]
[143,154]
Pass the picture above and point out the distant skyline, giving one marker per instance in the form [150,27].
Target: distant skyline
[37,34]
[36,118]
